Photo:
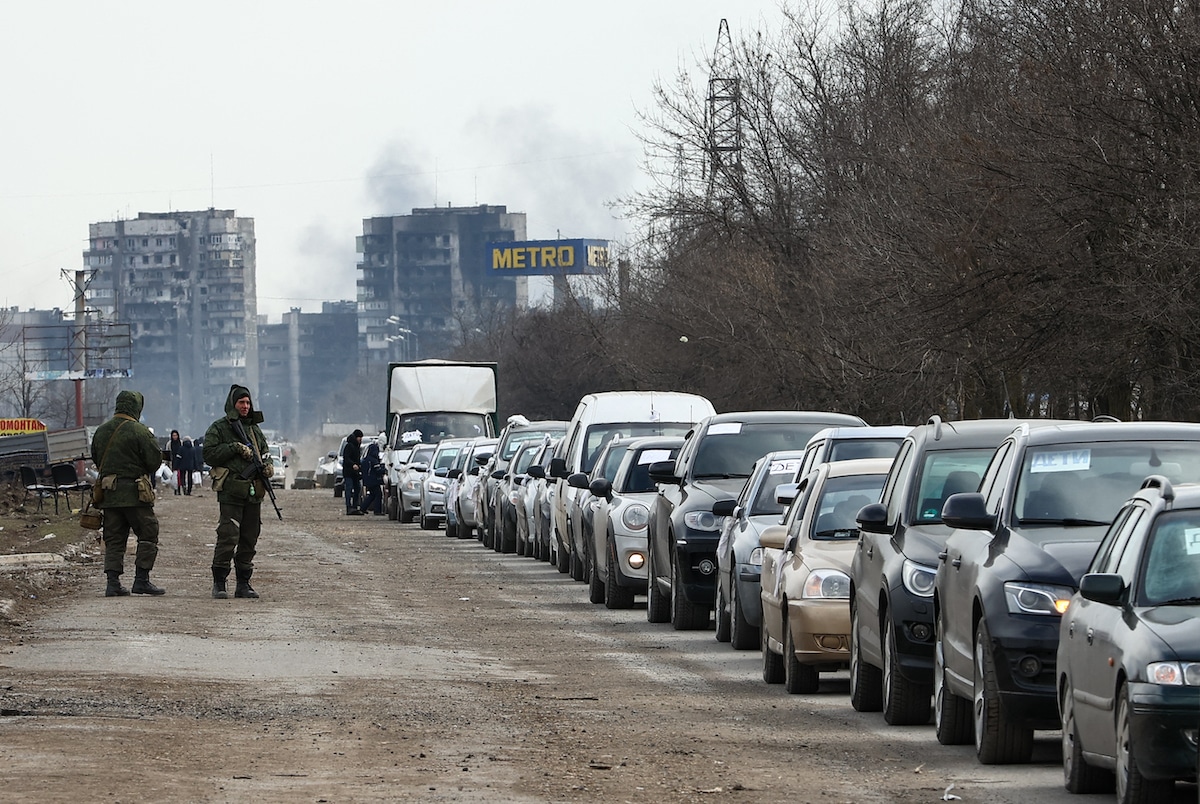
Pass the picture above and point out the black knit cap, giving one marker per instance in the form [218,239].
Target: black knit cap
[356,434]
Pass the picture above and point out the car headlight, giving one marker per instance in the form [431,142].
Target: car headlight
[1174,674]
[756,557]
[918,578]
[635,516]
[703,520]
[827,583]
[436,487]
[1037,598]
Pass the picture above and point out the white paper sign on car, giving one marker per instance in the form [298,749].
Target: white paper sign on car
[1191,541]
[784,467]
[654,456]
[1063,460]
[725,428]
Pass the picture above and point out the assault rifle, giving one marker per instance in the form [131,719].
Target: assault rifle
[256,468]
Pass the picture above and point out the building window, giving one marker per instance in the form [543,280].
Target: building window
[145,260]
[171,242]
[158,241]
[145,241]
[129,242]
[158,259]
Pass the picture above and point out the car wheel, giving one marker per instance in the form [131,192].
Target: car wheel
[1132,786]
[426,523]
[742,635]
[1078,775]
[508,535]
[615,595]
[658,605]
[392,507]
[685,615]
[722,617]
[562,557]
[451,529]
[797,677]
[998,740]
[772,663]
[951,714]
[595,585]
[904,703]
[578,568]
[866,685]
[406,517]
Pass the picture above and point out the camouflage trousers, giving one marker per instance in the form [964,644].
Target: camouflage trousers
[237,535]
[118,522]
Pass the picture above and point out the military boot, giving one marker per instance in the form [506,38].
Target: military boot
[219,576]
[142,585]
[243,583]
[114,588]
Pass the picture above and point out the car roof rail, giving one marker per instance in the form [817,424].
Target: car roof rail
[1162,484]
[1105,417]
[936,421]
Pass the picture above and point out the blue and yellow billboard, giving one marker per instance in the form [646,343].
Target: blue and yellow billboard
[548,257]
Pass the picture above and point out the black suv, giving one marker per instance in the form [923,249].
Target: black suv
[891,575]
[717,456]
[1016,554]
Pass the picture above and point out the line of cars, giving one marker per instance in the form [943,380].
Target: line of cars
[952,568]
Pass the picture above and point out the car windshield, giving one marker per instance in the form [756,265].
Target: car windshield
[947,472]
[519,438]
[445,456]
[600,434]
[433,427]
[778,472]
[1086,483]
[612,461]
[525,459]
[841,499]
[729,449]
[637,479]
[1172,568]
[422,454]
[854,448]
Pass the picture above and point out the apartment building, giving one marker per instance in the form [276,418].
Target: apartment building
[185,284]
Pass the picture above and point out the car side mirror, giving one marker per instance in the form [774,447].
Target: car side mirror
[601,487]
[454,474]
[498,474]
[724,507]
[967,510]
[474,471]
[1102,587]
[873,518]
[578,480]
[773,536]
[536,471]
[558,468]
[785,493]
[663,472]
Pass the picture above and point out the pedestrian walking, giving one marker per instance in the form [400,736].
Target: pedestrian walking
[127,455]
[373,470]
[352,473]
[179,460]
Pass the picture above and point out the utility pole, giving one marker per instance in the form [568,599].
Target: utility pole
[724,109]
[78,365]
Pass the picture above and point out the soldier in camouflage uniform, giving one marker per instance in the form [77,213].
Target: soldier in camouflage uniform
[231,457]
[126,454]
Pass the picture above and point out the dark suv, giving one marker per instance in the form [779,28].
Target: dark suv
[1016,554]
[717,456]
[891,576]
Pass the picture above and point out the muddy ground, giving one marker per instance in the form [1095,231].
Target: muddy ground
[384,663]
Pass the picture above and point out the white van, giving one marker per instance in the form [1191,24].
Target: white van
[598,418]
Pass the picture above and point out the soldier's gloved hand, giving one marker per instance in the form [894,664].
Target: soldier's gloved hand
[244,451]
[268,469]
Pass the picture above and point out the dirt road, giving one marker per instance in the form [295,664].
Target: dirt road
[384,662]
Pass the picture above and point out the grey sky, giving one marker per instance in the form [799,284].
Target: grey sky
[309,117]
